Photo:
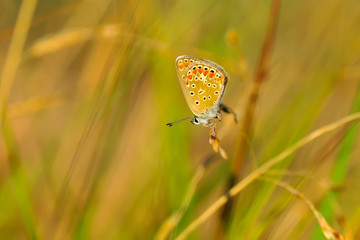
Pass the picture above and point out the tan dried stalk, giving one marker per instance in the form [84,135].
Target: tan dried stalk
[263,169]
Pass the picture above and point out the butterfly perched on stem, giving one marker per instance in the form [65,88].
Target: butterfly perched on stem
[203,83]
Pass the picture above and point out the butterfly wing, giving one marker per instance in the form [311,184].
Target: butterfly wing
[203,83]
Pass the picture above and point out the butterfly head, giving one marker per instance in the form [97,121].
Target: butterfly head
[196,120]
[206,121]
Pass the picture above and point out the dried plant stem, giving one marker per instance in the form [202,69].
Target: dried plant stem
[245,131]
[11,65]
[262,169]
[260,76]
[15,51]
[170,223]
[328,231]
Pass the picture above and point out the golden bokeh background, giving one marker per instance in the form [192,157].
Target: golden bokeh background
[87,87]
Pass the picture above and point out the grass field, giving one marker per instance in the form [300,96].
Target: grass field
[86,90]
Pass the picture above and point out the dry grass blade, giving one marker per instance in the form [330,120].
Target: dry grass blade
[170,223]
[11,65]
[328,231]
[245,131]
[260,77]
[15,51]
[35,104]
[265,167]
[70,37]
[60,40]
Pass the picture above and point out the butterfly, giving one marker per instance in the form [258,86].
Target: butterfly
[203,83]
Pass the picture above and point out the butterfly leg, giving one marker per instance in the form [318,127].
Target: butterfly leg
[226,109]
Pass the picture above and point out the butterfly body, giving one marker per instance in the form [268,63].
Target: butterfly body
[203,83]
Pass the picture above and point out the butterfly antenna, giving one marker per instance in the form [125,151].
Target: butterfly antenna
[173,123]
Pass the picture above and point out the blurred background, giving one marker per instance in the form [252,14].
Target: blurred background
[87,87]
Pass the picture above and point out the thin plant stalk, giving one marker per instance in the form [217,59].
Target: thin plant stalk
[241,153]
[263,169]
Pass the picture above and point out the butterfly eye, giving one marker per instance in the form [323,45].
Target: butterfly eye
[195,121]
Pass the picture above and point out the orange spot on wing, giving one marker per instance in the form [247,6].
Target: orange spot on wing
[194,71]
[180,66]
[186,64]
[211,75]
[218,79]
[189,76]
[187,82]
[200,70]
[206,72]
